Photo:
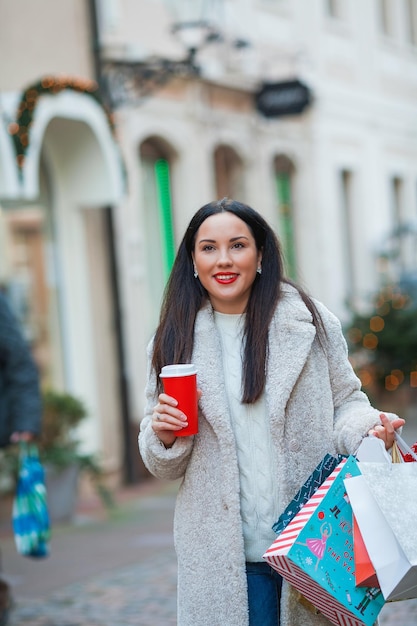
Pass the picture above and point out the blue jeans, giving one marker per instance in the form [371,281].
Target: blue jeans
[264,594]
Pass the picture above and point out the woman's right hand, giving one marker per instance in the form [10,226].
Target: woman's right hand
[167,419]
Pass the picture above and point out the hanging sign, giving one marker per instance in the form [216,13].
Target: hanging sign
[289,97]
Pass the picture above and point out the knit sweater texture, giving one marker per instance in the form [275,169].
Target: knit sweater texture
[250,424]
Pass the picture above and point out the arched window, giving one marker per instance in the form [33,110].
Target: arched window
[158,237]
[155,161]
[228,168]
[283,173]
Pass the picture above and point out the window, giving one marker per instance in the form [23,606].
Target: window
[158,237]
[384,17]
[163,190]
[158,204]
[108,12]
[333,8]
[228,168]
[411,21]
[402,247]
[397,200]
[283,185]
[397,213]
[347,238]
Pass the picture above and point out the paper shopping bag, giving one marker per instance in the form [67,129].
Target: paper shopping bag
[313,482]
[365,575]
[315,554]
[384,502]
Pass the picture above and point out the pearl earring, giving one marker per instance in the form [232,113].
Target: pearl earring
[259,270]
[195,272]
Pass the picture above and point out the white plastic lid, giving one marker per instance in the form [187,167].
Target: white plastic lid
[181,369]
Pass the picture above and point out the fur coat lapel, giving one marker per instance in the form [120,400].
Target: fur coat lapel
[291,336]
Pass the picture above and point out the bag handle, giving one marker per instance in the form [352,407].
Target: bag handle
[404,447]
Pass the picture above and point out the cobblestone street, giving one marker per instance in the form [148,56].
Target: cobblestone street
[119,571]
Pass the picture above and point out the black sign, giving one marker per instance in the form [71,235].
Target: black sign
[286,98]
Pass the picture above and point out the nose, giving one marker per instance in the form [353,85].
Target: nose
[224,257]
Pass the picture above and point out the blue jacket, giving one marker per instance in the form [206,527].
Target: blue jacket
[20,398]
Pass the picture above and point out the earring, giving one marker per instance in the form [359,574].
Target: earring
[195,272]
[259,270]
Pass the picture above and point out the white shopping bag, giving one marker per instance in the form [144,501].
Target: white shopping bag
[372,450]
[384,502]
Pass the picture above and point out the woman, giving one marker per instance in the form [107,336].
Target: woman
[277,393]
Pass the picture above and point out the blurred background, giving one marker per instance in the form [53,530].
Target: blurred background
[120,118]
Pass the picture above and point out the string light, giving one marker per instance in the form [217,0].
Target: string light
[376,323]
[383,344]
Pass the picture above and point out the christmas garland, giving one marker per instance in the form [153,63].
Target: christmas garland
[49,85]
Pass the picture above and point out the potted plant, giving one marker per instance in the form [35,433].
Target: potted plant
[59,451]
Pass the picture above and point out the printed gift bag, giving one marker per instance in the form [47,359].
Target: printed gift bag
[384,502]
[30,513]
[313,482]
[314,553]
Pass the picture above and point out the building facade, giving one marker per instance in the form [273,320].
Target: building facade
[305,110]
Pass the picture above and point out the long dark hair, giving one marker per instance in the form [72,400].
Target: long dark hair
[184,296]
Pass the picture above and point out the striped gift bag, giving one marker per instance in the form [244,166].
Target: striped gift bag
[30,511]
[314,553]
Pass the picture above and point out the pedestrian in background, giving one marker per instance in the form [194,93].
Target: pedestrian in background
[276,393]
[20,399]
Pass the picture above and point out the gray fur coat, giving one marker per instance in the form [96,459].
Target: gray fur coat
[315,406]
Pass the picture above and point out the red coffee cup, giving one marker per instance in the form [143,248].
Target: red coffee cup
[180,382]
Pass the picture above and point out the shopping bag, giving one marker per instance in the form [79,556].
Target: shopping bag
[30,511]
[372,450]
[315,554]
[313,482]
[403,452]
[383,499]
[365,575]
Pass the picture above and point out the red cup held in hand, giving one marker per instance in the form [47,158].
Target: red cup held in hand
[180,382]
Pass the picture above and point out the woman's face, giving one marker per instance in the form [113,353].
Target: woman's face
[226,259]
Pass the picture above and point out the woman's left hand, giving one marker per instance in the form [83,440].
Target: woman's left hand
[386,429]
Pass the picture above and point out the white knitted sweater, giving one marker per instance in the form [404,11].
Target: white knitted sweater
[250,423]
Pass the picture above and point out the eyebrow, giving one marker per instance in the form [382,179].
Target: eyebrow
[230,240]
